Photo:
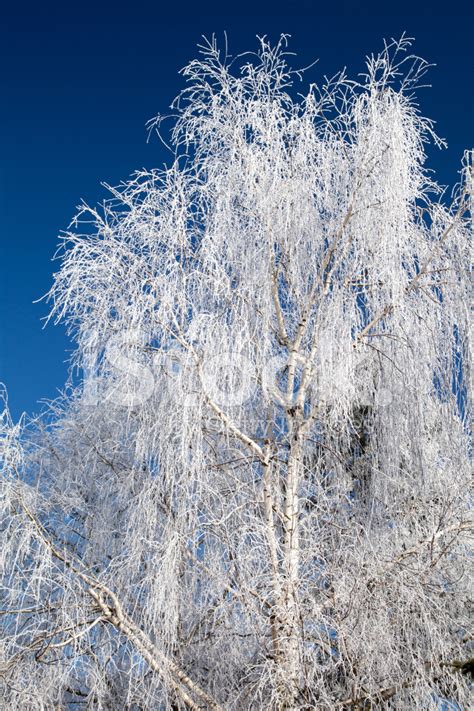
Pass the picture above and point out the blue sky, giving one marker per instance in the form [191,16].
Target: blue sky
[80,80]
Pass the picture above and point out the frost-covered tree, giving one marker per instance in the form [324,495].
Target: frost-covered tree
[258,498]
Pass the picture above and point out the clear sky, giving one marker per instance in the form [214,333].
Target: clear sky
[79,80]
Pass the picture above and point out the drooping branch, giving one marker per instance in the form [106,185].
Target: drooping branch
[113,613]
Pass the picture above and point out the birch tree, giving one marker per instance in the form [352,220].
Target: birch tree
[258,496]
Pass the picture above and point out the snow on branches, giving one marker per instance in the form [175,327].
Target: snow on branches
[258,498]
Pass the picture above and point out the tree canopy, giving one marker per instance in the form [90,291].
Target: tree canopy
[258,496]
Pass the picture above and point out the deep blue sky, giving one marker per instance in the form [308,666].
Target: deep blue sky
[80,80]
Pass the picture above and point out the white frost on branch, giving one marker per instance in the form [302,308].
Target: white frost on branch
[303,547]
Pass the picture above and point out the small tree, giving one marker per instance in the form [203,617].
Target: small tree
[258,498]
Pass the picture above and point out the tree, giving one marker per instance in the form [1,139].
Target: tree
[258,497]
